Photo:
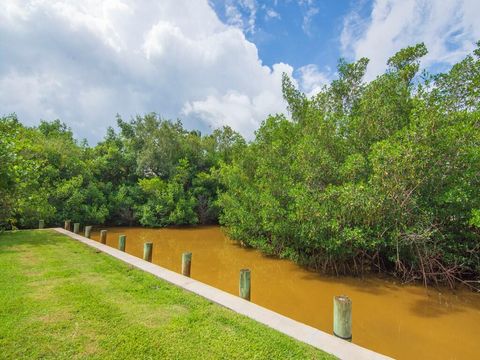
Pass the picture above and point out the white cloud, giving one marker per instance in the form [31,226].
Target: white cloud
[449,29]
[307,19]
[312,80]
[310,10]
[85,61]
[237,109]
[251,6]
[234,16]
[235,10]
[272,14]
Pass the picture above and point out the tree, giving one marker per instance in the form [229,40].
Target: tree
[381,175]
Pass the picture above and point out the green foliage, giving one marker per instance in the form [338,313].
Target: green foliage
[382,175]
[152,172]
[169,202]
[21,197]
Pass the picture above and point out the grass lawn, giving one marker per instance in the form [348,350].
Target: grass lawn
[61,299]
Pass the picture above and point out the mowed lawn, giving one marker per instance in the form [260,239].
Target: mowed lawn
[62,299]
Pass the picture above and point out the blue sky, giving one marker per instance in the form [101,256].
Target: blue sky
[208,62]
[295,32]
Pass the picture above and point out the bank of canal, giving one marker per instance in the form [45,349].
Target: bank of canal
[61,299]
[404,322]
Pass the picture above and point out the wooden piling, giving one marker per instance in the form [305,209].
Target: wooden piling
[245,284]
[342,317]
[76,228]
[67,224]
[103,236]
[122,239]
[41,224]
[88,231]
[147,251]
[186,263]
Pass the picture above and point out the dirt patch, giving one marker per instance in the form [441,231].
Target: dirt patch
[29,260]
[54,317]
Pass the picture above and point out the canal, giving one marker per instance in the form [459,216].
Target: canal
[405,322]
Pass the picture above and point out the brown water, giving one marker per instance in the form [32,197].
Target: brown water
[405,322]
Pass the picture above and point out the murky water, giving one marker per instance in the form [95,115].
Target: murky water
[405,322]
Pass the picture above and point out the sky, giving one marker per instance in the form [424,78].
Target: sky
[207,62]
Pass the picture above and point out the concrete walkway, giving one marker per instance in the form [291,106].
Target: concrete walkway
[307,334]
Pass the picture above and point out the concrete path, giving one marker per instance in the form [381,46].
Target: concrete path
[307,334]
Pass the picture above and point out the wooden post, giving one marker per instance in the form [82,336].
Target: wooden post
[88,230]
[186,263]
[122,239]
[245,284]
[147,251]
[67,224]
[41,224]
[342,317]
[76,228]
[103,236]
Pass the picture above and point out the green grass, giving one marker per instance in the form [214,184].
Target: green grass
[62,299]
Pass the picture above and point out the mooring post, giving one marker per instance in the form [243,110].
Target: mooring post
[147,251]
[245,284]
[186,263]
[41,224]
[103,236]
[122,239]
[67,224]
[342,317]
[88,231]
[76,228]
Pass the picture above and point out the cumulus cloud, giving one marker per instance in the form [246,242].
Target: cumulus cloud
[312,80]
[239,110]
[449,29]
[85,61]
